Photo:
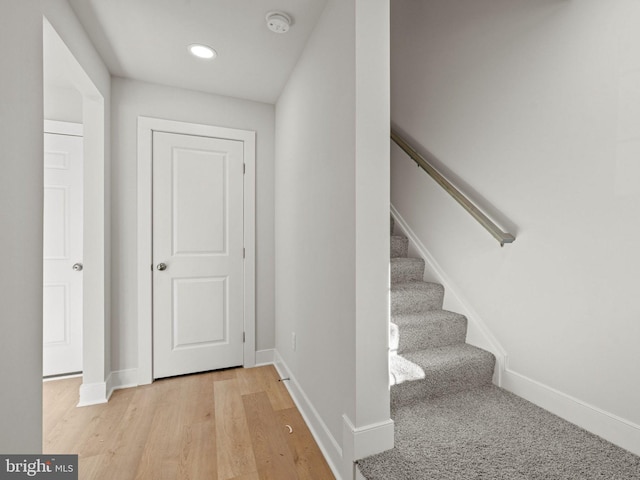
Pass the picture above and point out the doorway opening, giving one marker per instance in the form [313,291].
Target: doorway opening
[59,65]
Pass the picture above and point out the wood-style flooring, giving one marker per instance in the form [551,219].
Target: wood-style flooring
[226,425]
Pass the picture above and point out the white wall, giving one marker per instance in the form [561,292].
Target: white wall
[534,108]
[324,179]
[21,226]
[132,99]
[21,94]
[62,104]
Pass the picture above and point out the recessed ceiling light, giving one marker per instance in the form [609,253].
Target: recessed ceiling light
[202,51]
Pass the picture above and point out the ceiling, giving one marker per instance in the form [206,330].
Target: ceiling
[147,40]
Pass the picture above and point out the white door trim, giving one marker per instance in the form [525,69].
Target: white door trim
[63,128]
[146,127]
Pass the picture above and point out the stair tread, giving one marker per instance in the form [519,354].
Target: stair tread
[403,319]
[417,288]
[406,260]
[416,285]
[448,354]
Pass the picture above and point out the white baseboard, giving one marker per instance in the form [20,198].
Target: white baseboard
[100,392]
[128,378]
[357,442]
[368,440]
[93,394]
[61,377]
[478,333]
[612,428]
[122,379]
[265,357]
[328,445]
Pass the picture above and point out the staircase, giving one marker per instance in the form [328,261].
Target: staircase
[451,422]
[429,355]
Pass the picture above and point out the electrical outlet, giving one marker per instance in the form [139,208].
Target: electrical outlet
[293,341]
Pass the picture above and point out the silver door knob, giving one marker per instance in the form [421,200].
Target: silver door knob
[77,267]
[161,266]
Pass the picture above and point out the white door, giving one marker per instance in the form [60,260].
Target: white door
[198,298]
[62,254]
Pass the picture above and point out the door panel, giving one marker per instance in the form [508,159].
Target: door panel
[197,299]
[199,203]
[62,290]
[198,302]
[56,215]
[56,303]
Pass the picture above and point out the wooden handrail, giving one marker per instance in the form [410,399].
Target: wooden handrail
[475,212]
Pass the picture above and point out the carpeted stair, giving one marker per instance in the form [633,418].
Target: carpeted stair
[451,422]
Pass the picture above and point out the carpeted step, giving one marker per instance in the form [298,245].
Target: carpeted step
[399,246]
[405,270]
[416,297]
[392,224]
[437,328]
[433,372]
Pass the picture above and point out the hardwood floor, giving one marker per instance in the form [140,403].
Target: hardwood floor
[225,425]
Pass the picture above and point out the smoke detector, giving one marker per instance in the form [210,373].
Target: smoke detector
[278,22]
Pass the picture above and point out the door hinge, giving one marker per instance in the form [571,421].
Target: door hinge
[244,252]
[244,168]
[244,337]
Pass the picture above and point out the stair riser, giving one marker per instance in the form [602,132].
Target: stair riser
[399,246]
[416,299]
[392,224]
[444,381]
[407,271]
[431,334]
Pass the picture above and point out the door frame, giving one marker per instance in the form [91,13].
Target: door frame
[146,127]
